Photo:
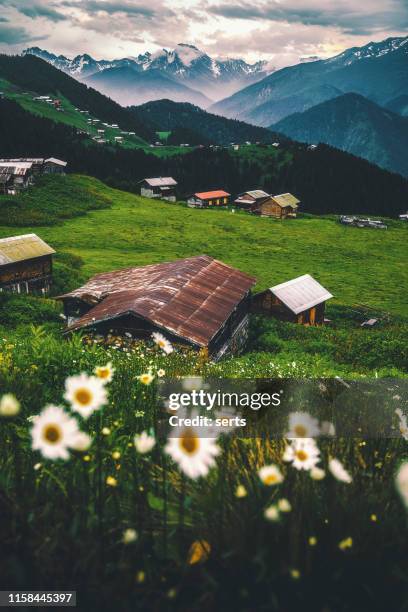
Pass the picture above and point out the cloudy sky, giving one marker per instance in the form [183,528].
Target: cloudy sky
[277,30]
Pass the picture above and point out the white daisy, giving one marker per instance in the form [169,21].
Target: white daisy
[303,453]
[82,442]
[105,373]
[54,432]
[85,394]
[339,471]
[401,482]
[270,475]
[162,343]
[194,455]
[302,425]
[144,442]
[271,513]
[160,373]
[9,405]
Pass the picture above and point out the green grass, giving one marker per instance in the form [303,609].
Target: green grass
[357,266]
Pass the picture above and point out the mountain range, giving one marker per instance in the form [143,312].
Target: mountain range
[354,124]
[378,71]
[184,74]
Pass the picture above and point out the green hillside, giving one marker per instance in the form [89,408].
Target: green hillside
[357,266]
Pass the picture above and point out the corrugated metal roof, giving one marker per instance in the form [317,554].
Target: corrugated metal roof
[166,181]
[190,298]
[207,195]
[34,160]
[16,168]
[286,199]
[54,160]
[20,248]
[257,193]
[301,293]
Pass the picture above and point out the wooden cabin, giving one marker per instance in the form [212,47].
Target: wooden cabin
[16,176]
[161,187]
[251,199]
[300,300]
[25,264]
[204,199]
[52,165]
[280,206]
[197,302]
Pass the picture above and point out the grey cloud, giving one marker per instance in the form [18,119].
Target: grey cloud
[350,18]
[111,7]
[11,35]
[34,11]
[3,20]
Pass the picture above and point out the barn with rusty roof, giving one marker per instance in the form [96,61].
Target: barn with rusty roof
[25,264]
[198,301]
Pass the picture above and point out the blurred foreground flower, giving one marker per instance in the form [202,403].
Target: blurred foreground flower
[144,442]
[402,425]
[9,405]
[270,475]
[146,379]
[199,552]
[129,536]
[284,505]
[401,482]
[194,455]
[346,543]
[302,425]
[303,453]
[339,471]
[111,481]
[85,394]
[54,432]
[162,343]
[271,513]
[82,442]
[105,373]
[241,491]
[317,473]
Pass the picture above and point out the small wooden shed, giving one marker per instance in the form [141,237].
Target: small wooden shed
[52,165]
[202,199]
[250,199]
[279,206]
[25,264]
[160,187]
[300,300]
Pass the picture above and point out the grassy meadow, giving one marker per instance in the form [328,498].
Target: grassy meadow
[124,523]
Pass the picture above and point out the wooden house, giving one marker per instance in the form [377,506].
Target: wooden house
[209,198]
[251,199]
[300,300]
[279,206]
[18,175]
[198,302]
[52,165]
[25,264]
[161,187]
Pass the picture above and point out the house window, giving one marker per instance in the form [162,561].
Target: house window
[218,201]
[210,202]
[225,200]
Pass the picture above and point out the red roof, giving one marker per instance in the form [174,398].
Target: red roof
[191,298]
[208,195]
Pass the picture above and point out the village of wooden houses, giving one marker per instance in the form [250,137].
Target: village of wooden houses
[198,302]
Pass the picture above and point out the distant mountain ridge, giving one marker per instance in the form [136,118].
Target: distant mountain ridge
[354,124]
[378,71]
[185,65]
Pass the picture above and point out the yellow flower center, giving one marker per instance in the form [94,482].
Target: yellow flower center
[52,434]
[103,372]
[300,431]
[145,379]
[302,455]
[189,443]
[270,479]
[162,343]
[83,396]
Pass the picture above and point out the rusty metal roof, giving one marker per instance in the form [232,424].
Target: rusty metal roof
[302,293]
[190,298]
[207,195]
[20,248]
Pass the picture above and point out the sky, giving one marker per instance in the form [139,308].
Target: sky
[280,31]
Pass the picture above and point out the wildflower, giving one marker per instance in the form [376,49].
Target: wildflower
[37,466]
[303,453]
[9,405]
[284,505]
[144,442]
[85,394]
[140,576]
[199,552]
[295,574]
[54,432]
[312,541]
[82,442]
[146,379]
[240,491]
[271,513]
[161,373]
[162,343]
[194,455]
[317,473]
[106,431]
[401,482]
[111,481]
[105,373]
[373,518]
[302,425]
[129,536]
[339,472]
[346,543]
[270,475]
[116,455]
